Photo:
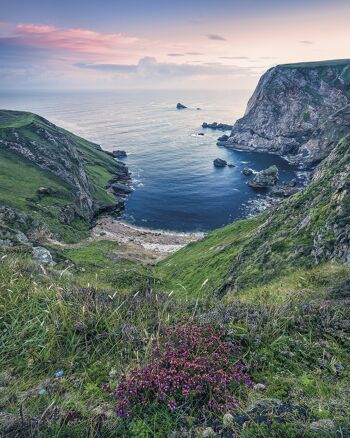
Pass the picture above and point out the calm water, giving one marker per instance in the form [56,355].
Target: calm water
[176,184]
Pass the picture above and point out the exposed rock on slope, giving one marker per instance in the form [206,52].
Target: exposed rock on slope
[297,110]
[55,175]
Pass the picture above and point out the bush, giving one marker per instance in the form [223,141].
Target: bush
[190,365]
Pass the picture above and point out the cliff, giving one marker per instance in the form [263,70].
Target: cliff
[297,110]
[54,176]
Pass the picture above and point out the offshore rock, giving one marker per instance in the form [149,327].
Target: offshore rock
[218,126]
[265,178]
[247,171]
[180,106]
[218,162]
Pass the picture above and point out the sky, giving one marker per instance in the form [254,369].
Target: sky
[163,44]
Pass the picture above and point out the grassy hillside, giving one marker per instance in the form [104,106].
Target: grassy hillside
[62,343]
[35,153]
[308,228]
[316,64]
[243,334]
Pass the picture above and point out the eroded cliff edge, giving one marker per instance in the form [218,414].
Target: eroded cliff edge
[299,111]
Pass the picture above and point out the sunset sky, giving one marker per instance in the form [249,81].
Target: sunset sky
[113,44]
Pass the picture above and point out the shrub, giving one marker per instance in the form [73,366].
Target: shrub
[189,365]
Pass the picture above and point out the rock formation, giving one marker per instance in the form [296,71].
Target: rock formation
[299,111]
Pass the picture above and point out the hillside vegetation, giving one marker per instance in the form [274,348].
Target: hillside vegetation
[58,179]
[245,333]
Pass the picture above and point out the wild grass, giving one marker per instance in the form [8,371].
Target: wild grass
[49,323]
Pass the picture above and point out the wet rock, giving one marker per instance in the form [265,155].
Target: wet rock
[42,255]
[231,165]
[120,188]
[265,178]
[180,106]
[247,171]
[119,154]
[218,162]
[223,138]
[218,126]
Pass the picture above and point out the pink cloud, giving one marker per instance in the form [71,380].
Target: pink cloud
[76,39]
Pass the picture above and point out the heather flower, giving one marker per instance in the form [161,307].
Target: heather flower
[188,364]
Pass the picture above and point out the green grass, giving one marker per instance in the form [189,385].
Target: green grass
[317,64]
[102,263]
[20,178]
[19,181]
[297,348]
[15,119]
[200,268]
[97,313]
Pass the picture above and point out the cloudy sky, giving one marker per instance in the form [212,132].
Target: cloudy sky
[114,44]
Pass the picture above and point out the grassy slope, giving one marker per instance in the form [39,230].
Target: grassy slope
[97,319]
[298,349]
[263,249]
[20,178]
[316,64]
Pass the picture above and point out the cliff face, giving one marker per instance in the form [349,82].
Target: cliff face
[297,110]
[55,174]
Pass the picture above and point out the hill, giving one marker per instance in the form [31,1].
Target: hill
[51,179]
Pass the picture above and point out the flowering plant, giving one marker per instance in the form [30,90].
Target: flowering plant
[189,364]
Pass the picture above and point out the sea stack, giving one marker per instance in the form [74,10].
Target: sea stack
[180,106]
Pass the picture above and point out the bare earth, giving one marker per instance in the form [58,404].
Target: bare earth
[149,245]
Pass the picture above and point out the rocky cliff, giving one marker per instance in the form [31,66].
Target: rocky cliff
[297,110]
[55,175]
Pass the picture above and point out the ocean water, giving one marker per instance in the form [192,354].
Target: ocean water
[176,185]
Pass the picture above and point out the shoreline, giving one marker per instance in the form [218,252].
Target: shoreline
[152,245]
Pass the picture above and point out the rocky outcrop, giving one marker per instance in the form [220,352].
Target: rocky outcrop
[285,190]
[218,162]
[247,171]
[42,255]
[180,106]
[264,178]
[299,111]
[218,126]
[119,154]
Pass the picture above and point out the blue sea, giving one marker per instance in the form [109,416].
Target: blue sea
[176,185]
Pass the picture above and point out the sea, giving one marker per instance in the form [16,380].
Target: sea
[176,186]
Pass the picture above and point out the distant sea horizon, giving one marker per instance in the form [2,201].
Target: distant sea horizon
[176,186]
